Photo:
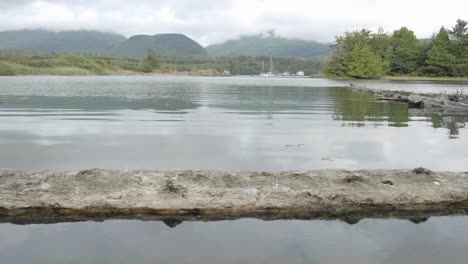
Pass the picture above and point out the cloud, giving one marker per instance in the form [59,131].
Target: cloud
[211,21]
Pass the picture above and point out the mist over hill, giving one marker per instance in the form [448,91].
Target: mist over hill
[117,45]
[65,41]
[269,43]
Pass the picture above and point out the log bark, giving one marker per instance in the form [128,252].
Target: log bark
[49,196]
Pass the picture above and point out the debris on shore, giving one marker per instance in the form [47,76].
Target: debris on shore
[421,103]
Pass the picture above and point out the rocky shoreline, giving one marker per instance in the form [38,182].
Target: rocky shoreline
[175,196]
[420,103]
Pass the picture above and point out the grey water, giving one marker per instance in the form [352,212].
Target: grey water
[439,240]
[241,123]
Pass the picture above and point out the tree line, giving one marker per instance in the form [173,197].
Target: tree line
[365,55]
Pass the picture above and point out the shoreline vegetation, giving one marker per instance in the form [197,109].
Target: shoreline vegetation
[367,55]
[33,63]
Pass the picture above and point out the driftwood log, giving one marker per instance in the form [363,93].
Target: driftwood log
[49,196]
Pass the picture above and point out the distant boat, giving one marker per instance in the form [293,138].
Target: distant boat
[272,69]
[263,73]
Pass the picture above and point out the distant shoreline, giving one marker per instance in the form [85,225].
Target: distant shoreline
[70,72]
[160,73]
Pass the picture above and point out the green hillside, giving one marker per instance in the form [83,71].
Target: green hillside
[163,44]
[261,45]
[65,41]
[116,45]
[98,43]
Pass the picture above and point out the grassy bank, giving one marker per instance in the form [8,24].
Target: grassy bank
[65,64]
[11,69]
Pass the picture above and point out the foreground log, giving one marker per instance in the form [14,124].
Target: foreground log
[394,99]
[412,103]
[174,196]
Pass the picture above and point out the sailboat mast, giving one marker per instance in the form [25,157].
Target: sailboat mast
[272,69]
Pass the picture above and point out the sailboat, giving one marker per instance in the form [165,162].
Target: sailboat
[272,69]
[262,73]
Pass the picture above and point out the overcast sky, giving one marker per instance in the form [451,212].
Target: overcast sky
[213,21]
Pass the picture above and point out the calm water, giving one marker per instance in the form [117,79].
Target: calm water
[231,124]
[217,123]
[439,240]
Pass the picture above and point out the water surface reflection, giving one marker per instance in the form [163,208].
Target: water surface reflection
[439,240]
[216,123]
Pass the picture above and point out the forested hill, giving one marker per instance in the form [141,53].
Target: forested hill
[112,44]
[262,45]
[163,44]
[65,41]
[98,43]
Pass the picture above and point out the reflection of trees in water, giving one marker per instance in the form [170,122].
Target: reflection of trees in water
[361,124]
[361,109]
[90,103]
[453,123]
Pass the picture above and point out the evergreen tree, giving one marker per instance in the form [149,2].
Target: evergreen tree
[459,31]
[146,67]
[380,44]
[405,49]
[364,63]
[440,60]
[337,66]
[387,61]
[152,58]
[344,47]
[459,37]
[421,59]
[150,63]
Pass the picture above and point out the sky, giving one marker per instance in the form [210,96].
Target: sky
[214,21]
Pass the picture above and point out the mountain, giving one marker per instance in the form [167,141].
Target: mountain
[64,41]
[164,44]
[260,45]
[112,44]
[96,42]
